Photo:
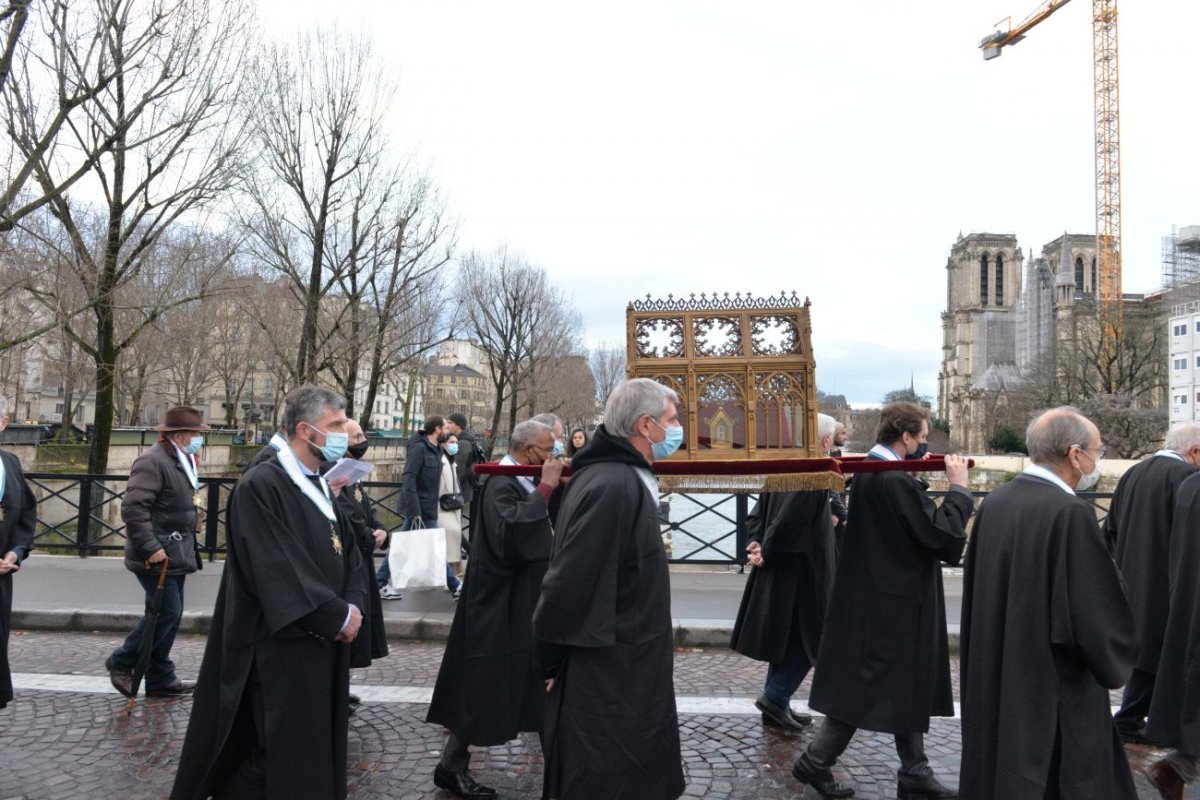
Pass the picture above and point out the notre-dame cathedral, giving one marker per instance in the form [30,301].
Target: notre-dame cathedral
[1003,316]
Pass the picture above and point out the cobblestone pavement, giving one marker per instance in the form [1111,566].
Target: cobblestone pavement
[80,744]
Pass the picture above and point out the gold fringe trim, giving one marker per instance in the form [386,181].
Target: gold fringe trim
[751,484]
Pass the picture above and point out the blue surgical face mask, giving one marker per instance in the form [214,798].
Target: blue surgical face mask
[335,444]
[193,446]
[558,449]
[669,445]
[452,449]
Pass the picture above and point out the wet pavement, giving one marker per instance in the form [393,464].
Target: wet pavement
[66,734]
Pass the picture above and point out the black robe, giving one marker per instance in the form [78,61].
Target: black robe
[18,520]
[371,642]
[283,599]
[604,620]
[789,594]
[1046,632]
[1138,527]
[884,663]
[487,689]
[1174,717]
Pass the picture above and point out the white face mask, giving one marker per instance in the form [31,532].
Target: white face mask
[1089,480]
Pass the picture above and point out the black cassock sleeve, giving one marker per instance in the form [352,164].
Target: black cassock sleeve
[1089,614]
[578,606]
[20,510]
[277,551]
[939,529]
[518,524]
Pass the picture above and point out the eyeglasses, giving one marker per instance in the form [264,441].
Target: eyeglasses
[1099,453]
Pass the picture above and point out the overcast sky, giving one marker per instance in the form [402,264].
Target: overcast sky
[833,149]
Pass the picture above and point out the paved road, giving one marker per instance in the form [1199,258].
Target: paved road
[66,735]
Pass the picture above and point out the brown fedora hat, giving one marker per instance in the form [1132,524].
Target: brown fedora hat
[182,419]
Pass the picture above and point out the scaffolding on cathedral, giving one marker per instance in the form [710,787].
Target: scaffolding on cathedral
[1181,264]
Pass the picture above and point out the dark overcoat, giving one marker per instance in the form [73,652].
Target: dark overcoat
[487,689]
[160,501]
[284,596]
[1138,527]
[789,594]
[1174,717]
[420,480]
[371,642]
[605,613]
[884,663]
[18,521]
[1046,632]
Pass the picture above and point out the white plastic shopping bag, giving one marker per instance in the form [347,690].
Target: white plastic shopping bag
[417,558]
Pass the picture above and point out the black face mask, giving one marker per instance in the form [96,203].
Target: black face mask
[922,449]
[357,451]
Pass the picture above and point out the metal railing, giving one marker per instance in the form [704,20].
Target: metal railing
[81,515]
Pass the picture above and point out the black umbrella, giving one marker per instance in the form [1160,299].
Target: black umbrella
[146,645]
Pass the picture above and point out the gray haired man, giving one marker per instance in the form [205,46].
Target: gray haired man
[603,622]
[271,708]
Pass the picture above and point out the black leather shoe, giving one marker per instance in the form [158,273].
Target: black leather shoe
[121,679]
[172,689]
[354,699]
[461,784]
[781,716]
[820,779]
[927,788]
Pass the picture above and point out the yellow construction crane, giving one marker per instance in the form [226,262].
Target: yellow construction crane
[1108,146]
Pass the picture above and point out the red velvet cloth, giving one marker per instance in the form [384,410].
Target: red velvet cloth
[847,465]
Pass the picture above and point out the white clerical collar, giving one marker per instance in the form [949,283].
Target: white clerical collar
[298,473]
[884,452]
[527,483]
[1039,471]
[1170,454]
[650,481]
[2,479]
[189,468]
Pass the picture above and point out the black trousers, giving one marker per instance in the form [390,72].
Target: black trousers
[1135,703]
[834,737]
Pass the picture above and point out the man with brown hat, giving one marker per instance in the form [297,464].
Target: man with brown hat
[161,510]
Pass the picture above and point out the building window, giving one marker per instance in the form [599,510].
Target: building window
[1197,327]
[1181,399]
[983,280]
[1198,361]
[1079,274]
[1181,329]
[999,279]
[1095,289]
[1180,363]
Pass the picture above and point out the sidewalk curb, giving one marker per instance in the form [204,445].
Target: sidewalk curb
[414,626]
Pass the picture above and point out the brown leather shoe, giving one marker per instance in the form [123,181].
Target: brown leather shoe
[1165,779]
[121,679]
[172,689]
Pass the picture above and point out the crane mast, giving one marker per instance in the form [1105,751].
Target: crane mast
[1108,149]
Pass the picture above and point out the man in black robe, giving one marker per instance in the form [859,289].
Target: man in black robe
[603,623]
[1046,632]
[18,519]
[371,641]
[1138,527]
[884,663]
[271,713]
[1174,719]
[791,549]
[487,689]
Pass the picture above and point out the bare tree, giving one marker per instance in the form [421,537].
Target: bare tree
[45,88]
[607,361]
[318,119]
[162,147]
[493,305]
